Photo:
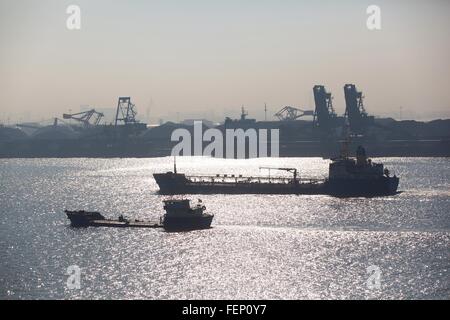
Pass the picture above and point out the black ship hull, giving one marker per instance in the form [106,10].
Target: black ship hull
[171,184]
[177,223]
[382,186]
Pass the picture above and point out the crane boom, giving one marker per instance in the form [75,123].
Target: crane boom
[293,170]
[85,117]
[289,113]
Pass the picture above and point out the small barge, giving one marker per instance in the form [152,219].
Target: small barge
[83,218]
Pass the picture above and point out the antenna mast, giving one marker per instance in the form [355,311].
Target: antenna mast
[174,164]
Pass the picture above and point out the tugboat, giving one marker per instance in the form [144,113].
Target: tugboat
[359,177]
[180,215]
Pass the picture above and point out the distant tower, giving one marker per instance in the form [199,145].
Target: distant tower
[244,113]
[147,114]
[265,112]
[149,107]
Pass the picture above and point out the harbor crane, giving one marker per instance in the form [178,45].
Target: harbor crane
[126,111]
[289,113]
[324,116]
[85,117]
[357,116]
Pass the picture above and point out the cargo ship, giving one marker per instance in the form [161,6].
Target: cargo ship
[348,177]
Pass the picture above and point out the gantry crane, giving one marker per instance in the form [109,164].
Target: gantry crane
[324,116]
[126,111]
[357,116]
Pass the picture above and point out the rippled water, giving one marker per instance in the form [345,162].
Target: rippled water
[260,247]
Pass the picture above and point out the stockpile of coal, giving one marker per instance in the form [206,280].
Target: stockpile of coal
[11,134]
[55,133]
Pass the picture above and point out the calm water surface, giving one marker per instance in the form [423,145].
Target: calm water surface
[260,247]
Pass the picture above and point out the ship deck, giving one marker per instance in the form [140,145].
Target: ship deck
[128,224]
[240,180]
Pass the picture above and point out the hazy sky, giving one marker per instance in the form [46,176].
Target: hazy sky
[210,57]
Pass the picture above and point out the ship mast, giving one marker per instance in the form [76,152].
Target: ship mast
[345,147]
[174,164]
